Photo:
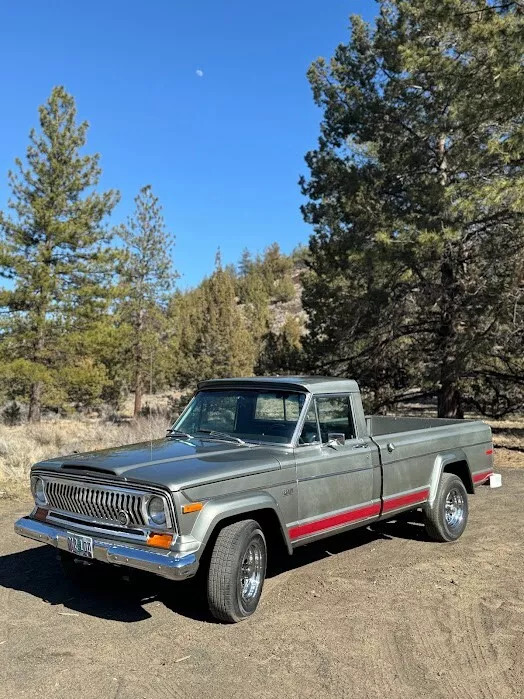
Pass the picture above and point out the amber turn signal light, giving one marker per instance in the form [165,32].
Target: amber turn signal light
[162,541]
[193,507]
[40,514]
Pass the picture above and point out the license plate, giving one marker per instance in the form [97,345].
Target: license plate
[80,545]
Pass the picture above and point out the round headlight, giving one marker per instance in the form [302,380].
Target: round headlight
[39,491]
[156,511]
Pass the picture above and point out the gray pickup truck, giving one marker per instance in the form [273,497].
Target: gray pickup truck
[250,466]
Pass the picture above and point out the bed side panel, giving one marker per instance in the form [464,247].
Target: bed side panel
[409,459]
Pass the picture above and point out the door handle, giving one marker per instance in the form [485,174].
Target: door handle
[361,445]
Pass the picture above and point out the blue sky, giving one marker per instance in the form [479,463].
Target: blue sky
[206,101]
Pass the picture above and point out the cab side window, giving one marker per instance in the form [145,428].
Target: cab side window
[334,415]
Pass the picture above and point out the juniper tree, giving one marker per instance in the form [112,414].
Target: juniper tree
[209,333]
[53,247]
[264,281]
[416,198]
[281,351]
[146,276]
[224,346]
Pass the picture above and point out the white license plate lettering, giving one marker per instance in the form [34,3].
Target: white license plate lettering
[80,545]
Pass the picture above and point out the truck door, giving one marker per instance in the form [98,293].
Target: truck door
[336,479]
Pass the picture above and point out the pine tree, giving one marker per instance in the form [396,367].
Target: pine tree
[146,275]
[416,198]
[54,249]
[246,263]
[184,320]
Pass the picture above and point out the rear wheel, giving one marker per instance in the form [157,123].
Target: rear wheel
[447,518]
[237,571]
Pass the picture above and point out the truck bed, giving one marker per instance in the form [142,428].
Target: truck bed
[409,446]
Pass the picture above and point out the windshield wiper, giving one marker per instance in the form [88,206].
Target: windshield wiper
[178,433]
[222,435]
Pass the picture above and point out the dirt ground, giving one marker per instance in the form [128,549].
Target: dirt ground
[380,612]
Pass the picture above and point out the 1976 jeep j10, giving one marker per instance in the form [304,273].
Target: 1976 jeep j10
[249,465]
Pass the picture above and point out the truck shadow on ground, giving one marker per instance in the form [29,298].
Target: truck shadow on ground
[124,596]
[408,525]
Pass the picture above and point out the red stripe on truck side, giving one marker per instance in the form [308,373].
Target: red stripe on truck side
[399,501]
[335,520]
[479,477]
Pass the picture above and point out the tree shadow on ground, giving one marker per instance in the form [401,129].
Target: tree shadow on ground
[121,594]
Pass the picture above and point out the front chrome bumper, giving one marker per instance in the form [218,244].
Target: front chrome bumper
[168,565]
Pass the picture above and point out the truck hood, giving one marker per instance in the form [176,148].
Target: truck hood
[169,463]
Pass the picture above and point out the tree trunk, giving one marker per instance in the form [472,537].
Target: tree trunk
[449,397]
[138,392]
[35,392]
[139,388]
[35,402]
[449,400]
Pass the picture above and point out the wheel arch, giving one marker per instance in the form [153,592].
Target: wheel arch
[450,462]
[261,507]
[461,469]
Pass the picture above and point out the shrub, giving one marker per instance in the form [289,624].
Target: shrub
[11,414]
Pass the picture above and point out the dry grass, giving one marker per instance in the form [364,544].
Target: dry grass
[508,459]
[22,446]
[508,433]
[508,437]
[159,403]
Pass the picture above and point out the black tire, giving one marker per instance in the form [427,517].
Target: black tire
[448,517]
[237,571]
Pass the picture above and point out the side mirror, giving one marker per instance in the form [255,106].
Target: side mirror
[336,439]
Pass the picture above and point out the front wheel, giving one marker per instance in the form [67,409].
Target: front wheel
[237,571]
[447,518]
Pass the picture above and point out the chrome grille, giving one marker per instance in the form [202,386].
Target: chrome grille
[96,502]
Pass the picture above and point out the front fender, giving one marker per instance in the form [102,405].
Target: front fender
[219,509]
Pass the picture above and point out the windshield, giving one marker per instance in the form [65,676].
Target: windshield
[247,414]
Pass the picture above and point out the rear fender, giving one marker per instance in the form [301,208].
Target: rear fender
[441,462]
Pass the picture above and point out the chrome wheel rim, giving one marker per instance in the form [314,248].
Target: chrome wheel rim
[251,571]
[454,508]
